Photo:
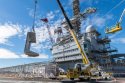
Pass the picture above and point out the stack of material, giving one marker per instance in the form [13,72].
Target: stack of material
[46,71]
[51,70]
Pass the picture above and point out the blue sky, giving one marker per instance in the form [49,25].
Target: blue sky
[16,21]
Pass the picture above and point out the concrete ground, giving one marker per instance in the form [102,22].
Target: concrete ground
[117,80]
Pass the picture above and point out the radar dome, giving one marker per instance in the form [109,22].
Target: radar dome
[90,28]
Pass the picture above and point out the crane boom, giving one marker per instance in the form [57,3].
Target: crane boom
[84,57]
[72,32]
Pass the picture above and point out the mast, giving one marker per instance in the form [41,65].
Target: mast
[76,12]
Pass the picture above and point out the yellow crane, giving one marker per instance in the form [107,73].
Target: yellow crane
[80,70]
[117,27]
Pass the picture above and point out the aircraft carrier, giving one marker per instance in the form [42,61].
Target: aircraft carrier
[97,47]
[66,53]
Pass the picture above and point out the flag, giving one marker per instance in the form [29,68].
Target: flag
[44,20]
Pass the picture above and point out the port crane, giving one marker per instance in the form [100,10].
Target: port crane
[117,27]
[79,71]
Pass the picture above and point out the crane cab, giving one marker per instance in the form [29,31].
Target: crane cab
[114,29]
[31,38]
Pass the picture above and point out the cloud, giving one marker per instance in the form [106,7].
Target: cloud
[26,30]
[96,20]
[7,31]
[42,35]
[31,12]
[70,2]
[100,21]
[118,40]
[42,38]
[57,11]
[50,15]
[7,54]
[40,56]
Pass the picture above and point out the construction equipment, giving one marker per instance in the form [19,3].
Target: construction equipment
[31,38]
[117,27]
[81,70]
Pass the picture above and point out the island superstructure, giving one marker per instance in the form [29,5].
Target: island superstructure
[97,48]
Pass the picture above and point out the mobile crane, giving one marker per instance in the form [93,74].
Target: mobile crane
[81,70]
[117,27]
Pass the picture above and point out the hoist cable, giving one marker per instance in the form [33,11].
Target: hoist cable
[123,13]
[34,16]
[114,7]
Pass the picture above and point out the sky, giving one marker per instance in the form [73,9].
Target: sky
[16,19]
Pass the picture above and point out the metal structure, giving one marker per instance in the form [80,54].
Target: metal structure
[78,16]
[117,27]
[76,12]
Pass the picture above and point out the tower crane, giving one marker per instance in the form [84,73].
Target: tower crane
[117,27]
